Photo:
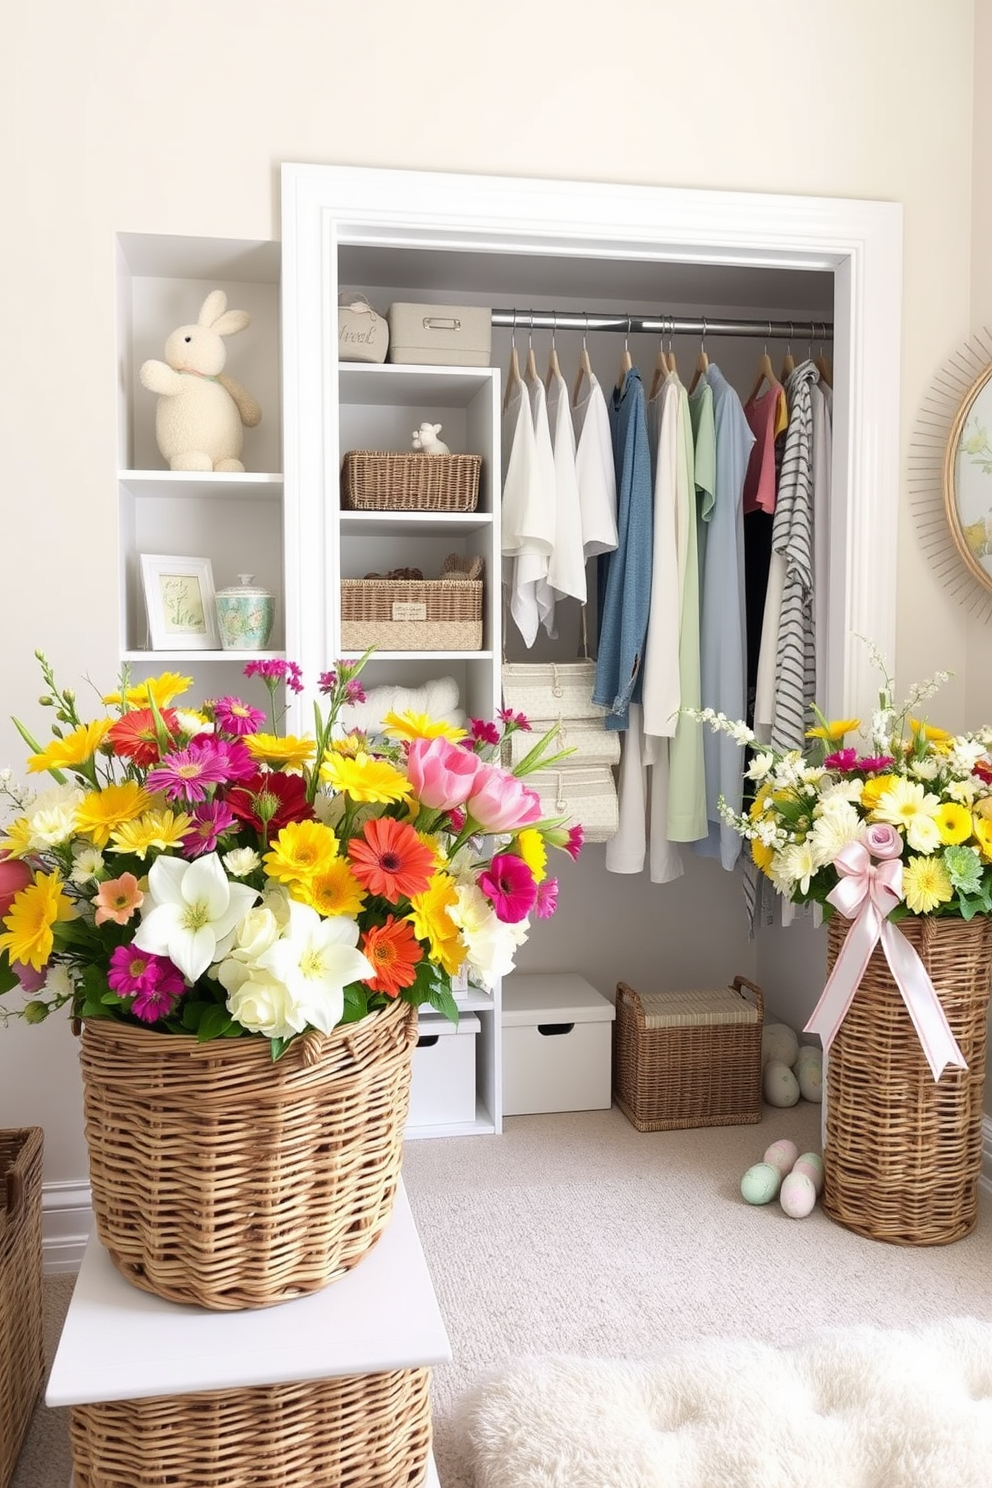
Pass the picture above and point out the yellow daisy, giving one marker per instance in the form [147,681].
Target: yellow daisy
[930,732]
[162,829]
[28,938]
[530,846]
[365,778]
[926,883]
[761,854]
[875,788]
[160,689]
[76,749]
[19,839]
[983,834]
[103,811]
[953,823]
[333,891]
[411,726]
[835,730]
[284,752]
[300,852]
[431,922]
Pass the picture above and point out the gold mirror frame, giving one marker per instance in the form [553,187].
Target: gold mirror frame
[942,488]
[968,479]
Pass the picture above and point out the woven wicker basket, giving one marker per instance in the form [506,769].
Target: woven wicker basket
[359,1431]
[684,1059]
[224,1179]
[376,480]
[22,1357]
[903,1153]
[415,614]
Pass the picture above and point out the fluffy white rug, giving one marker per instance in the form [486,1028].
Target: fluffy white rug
[852,1408]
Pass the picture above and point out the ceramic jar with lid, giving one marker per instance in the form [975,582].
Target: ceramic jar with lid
[245,613]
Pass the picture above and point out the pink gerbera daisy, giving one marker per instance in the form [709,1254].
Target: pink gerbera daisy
[237,718]
[510,885]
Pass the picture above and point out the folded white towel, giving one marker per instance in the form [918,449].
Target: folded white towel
[437,698]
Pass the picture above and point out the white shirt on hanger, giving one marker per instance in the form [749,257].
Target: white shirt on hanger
[526,538]
[595,471]
[567,566]
[544,593]
[661,692]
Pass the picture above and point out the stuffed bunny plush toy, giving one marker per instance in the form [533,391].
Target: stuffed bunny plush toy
[201,412]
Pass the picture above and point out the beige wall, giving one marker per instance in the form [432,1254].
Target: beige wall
[123,116]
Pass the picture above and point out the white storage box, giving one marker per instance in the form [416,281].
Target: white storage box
[442,1088]
[440,335]
[557,1044]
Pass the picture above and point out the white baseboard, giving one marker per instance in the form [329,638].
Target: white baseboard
[66,1215]
[66,1219]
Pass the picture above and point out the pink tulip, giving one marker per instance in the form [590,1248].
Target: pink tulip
[15,875]
[442,774]
[30,980]
[500,802]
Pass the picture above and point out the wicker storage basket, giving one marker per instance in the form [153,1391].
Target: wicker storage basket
[903,1153]
[22,1357]
[358,1431]
[415,614]
[376,480]
[224,1179]
[684,1059]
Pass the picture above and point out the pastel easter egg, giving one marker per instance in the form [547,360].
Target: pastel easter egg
[781,1154]
[810,1163]
[760,1183]
[798,1195]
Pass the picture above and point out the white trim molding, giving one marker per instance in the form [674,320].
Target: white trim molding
[986,1179]
[66,1221]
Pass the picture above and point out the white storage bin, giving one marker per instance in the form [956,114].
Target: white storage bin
[440,335]
[442,1088]
[557,1044]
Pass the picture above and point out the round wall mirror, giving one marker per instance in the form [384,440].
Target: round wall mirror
[968,478]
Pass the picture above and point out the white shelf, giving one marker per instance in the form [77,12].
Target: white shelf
[191,657]
[390,384]
[373,524]
[421,655]
[203,485]
[119,1343]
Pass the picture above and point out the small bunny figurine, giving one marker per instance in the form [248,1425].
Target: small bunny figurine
[425,439]
[200,413]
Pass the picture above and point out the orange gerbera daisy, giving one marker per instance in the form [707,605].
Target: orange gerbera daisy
[134,735]
[389,859]
[394,952]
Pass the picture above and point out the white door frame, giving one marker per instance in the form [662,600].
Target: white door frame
[860,242]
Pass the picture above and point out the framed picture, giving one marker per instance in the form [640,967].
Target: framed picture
[179,599]
[968,479]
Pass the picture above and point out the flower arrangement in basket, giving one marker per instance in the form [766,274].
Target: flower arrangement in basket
[903,828]
[196,873]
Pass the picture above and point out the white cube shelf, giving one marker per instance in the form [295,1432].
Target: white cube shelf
[557,1044]
[442,1089]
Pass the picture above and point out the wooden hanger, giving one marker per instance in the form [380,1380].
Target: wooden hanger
[513,371]
[788,361]
[530,370]
[766,373]
[702,361]
[554,369]
[626,360]
[823,366]
[585,370]
[661,371]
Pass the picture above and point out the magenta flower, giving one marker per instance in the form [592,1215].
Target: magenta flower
[233,758]
[133,971]
[211,819]
[547,899]
[327,682]
[883,841]
[875,764]
[276,670]
[500,802]
[483,731]
[442,774]
[236,717]
[456,819]
[510,885]
[576,837]
[844,760]
[354,692]
[188,774]
[156,1002]
[513,720]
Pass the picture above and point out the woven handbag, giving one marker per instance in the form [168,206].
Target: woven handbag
[586,794]
[551,689]
[589,741]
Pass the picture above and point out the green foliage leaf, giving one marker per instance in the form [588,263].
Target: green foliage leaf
[214,1023]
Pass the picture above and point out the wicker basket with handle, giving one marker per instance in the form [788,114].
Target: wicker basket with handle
[224,1179]
[22,1357]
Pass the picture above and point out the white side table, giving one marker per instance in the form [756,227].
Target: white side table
[119,1343]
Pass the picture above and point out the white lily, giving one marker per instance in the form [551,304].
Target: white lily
[191,912]
[316,959]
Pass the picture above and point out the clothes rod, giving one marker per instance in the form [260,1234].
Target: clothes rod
[666,325]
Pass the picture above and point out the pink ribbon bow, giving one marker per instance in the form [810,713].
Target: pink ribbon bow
[866,894]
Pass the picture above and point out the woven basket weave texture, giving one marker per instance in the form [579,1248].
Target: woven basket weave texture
[686,1059]
[358,1431]
[224,1179]
[378,480]
[903,1153]
[22,1357]
[442,614]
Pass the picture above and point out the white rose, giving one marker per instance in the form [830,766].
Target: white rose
[255,934]
[262,1004]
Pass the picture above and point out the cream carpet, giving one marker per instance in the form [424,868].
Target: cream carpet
[858,1408]
[576,1234]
